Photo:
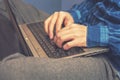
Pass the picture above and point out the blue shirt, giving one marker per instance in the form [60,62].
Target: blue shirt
[102,18]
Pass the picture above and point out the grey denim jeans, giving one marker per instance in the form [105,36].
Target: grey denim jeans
[19,67]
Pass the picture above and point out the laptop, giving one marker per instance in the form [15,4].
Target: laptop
[41,46]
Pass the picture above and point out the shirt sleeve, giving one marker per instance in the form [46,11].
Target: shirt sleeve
[79,11]
[97,35]
[108,36]
[107,30]
[109,33]
[76,14]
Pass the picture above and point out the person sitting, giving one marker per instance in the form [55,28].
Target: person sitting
[91,23]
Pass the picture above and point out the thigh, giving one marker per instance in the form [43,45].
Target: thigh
[83,68]
[9,43]
[23,13]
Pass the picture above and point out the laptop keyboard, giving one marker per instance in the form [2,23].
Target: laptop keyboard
[48,45]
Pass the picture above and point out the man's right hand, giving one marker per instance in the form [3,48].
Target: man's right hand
[55,21]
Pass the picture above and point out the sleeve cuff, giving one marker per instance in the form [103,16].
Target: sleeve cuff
[97,36]
[93,36]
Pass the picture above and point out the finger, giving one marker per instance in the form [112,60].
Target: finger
[68,30]
[62,32]
[70,44]
[63,39]
[46,24]
[52,25]
[60,21]
[59,34]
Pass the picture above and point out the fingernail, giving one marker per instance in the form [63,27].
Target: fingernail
[51,37]
[65,47]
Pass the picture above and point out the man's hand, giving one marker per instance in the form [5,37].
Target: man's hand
[73,35]
[56,21]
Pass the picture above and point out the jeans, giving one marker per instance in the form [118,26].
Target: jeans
[20,67]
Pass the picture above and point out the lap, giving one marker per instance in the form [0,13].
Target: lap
[83,68]
[29,68]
